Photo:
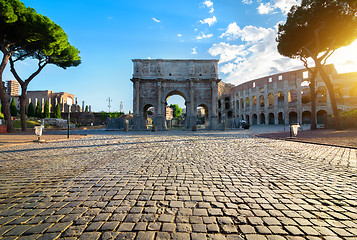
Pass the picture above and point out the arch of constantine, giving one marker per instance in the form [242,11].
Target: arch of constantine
[156,80]
[277,99]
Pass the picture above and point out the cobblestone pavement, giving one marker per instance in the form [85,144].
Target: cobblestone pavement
[178,185]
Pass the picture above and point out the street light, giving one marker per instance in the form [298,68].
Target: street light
[69,103]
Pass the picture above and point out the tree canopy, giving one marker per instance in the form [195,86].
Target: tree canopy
[319,26]
[27,34]
[177,111]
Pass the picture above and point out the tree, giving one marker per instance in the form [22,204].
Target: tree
[46,110]
[177,111]
[87,109]
[57,113]
[38,110]
[315,29]
[27,34]
[13,108]
[31,110]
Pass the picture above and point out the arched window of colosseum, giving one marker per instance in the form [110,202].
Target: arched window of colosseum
[280,97]
[254,101]
[227,103]
[237,96]
[270,100]
[219,104]
[321,94]
[241,103]
[261,101]
[305,95]
[292,96]
[247,102]
[353,92]
[305,75]
[230,114]
[237,104]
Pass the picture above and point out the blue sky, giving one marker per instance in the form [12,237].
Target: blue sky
[109,33]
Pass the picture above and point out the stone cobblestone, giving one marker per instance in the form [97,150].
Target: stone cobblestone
[178,185]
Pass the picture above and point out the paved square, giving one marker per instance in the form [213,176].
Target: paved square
[178,185]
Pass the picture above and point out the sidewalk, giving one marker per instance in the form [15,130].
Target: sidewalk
[19,137]
[341,138]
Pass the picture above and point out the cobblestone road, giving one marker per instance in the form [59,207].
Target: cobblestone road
[178,185]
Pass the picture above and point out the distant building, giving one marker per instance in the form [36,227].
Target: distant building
[12,88]
[67,101]
[169,113]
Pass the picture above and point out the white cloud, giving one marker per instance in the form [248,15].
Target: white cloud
[282,5]
[265,8]
[202,36]
[209,21]
[247,1]
[179,35]
[208,3]
[256,57]
[194,50]
[226,51]
[248,33]
[156,20]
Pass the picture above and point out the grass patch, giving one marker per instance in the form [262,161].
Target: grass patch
[29,123]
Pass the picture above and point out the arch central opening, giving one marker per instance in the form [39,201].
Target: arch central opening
[175,111]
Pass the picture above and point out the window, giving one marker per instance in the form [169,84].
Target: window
[305,74]
[253,84]
[280,77]
[270,79]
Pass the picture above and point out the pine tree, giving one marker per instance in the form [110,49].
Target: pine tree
[46,112]
[87,110]
[38,110]
[57,113]
[31,110]
[13,108]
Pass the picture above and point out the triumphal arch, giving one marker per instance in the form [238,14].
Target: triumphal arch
[155,80]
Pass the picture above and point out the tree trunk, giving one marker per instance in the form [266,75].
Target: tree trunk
[23,98]
[331,92]
[313,99]
[3,96]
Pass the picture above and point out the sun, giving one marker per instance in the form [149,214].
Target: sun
[345,58]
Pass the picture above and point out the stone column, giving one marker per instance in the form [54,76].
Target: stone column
[213,115]
[193,117]
[298,100]
[160,116]
[138,120]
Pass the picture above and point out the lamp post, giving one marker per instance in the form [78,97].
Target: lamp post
[69,103]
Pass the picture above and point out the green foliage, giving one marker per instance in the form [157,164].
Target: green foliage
[31,110]
[177,111]
[87,109]
[57,113]
[46,112]
[29,124]
[352,113]
[1,113]
[38,110]
[318,25]
[104,115]
[13,108]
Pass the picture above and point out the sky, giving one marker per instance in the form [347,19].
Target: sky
[110,33]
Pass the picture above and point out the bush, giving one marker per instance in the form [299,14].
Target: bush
[31,110]
[46,112]
[57,113]
[13,108]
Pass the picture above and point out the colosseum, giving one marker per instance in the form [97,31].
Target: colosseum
[285,98]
